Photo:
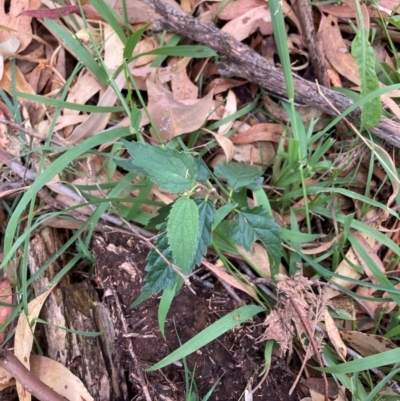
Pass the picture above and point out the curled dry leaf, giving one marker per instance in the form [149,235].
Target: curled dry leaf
[24,337]
[230,279]
[334,335]
[172,118]
[226,145]
[230,108]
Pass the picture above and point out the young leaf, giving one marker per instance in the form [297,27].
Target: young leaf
[173,171]
[257,224]
[183,232]
[206,218]
[160,275]
[364,56]
[239,175]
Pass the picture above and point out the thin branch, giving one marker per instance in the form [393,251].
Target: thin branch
[29,381]
[244,62]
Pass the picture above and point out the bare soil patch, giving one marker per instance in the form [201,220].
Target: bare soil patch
[236,358]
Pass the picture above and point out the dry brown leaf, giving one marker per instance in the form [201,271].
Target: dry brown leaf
[260,154]
[367,344]
[258,257]
[85,87]
[183,88]
[389,5]
[345,268]
[219,85]
[5,298]
[17,26]
[160,75]
[344,11]
[268,132]
[57,376]
[145,46]
[334,336]
[24,336]
[316,387]
[226,145]
[236,8]
[245,25]
[307,114]
[6,380]
[113,48]
[20,82]
[230,108]
[172,118]
[230,279]
[340,58]
[96,122]
[138,11]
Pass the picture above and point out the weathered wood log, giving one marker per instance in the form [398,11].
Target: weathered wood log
[76,306]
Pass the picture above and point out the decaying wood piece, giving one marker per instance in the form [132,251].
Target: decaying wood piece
[242,61]
[75,305]
[303,11]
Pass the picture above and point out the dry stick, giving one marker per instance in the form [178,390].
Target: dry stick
[242,61]
[139,373]
[313,344]
[29,381]
[33,133]
[303,10]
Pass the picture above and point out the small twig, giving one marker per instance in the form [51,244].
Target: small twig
[313,344]
[29,381]
[139,373]
[33,133]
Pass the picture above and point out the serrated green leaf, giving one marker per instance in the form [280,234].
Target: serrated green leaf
[239,175]
[206,218]
[160,275]
[173,171]
[129,166]
[202,174]
[257,224]
[161,218]
[364,56]
[183,232]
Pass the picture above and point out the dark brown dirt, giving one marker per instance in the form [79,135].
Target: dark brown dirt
[235,358]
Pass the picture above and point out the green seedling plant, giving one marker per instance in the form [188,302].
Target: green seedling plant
[186,226]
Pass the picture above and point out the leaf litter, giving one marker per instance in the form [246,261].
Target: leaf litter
[184,99]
